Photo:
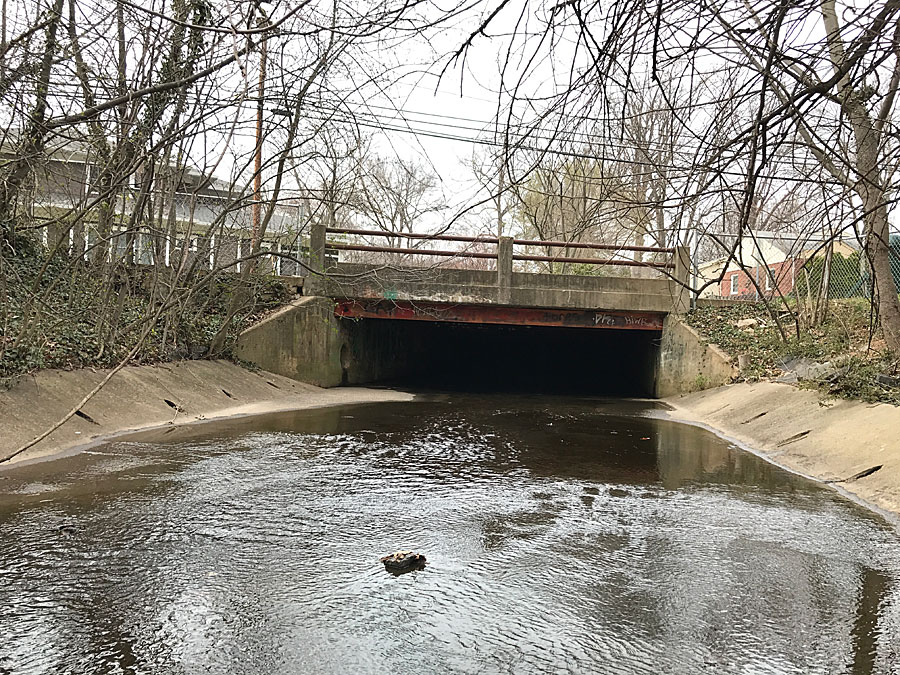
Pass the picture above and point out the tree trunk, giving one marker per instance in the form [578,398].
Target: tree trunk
[867,134]
[34,134]
[878,252]
[820,312]
[871,191]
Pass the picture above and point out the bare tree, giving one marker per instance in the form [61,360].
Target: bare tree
[33,137]
[397,196]
[139,112]
[492,175]
[761,90]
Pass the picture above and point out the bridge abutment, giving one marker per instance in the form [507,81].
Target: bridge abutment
[306,341]
[687,363]
[301,341]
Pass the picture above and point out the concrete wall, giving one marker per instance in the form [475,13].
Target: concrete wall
[301,341]
[687,363]
[306,342]
[525,289]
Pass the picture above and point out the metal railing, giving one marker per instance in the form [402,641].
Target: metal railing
[498,242]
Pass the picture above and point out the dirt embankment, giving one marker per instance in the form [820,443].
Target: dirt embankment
[143,397]
[837,441]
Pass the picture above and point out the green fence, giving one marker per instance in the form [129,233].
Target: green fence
[849,274]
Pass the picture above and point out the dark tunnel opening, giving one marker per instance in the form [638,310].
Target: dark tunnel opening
[490,357]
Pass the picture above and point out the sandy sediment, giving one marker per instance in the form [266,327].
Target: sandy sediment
[144,397]
[829,440]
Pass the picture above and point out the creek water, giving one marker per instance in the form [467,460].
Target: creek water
[563,535]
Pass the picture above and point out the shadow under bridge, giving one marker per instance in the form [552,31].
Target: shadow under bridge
[494,348]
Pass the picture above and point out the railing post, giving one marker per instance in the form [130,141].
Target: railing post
[682,276]
[504,270]
[315,282]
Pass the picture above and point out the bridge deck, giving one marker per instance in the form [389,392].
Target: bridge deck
[476,287]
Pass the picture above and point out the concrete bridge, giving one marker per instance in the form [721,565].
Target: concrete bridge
[405,318]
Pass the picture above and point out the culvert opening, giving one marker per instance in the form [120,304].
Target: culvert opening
[86,417]
[488,357]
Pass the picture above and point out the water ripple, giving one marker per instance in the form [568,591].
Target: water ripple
[558,540]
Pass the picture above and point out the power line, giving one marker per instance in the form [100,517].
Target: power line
[375,124]
[397,123]
[543,135]
[536,132]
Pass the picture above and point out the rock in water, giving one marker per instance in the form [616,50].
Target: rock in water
[403,561]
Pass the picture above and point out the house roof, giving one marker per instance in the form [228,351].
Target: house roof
[794,244]
[78,150]
[712,264]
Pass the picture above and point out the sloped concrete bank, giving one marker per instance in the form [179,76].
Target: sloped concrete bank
[835,441]
[144,397]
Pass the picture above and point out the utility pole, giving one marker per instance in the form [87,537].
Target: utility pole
[501,186]
[257,180]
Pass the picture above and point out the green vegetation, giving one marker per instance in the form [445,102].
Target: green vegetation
[700,383]
[60,312]
[843,340]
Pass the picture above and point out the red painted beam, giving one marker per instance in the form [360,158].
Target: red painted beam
[512,316]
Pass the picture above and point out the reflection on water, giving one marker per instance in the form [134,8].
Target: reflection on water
[562,536]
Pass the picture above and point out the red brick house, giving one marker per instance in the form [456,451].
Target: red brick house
[773,280]
[774,261]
